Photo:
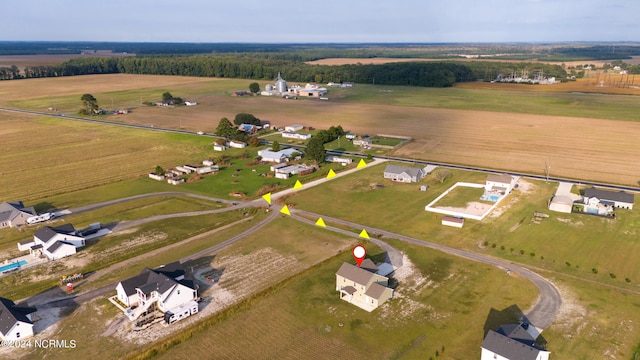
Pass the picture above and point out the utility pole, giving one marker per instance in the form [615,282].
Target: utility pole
[546,170]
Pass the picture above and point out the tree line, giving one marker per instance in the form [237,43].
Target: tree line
[429,74]
[255,66]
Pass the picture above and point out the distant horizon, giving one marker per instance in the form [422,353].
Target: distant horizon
[560,42]
[332,21]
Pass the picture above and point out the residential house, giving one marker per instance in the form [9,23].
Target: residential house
[499,184]
[340,160]
[364,142]
[513,342]
[248,128]
[15,321]
[13,214]
[404,174]
[619,199]
[269,155]
[54,242]
[163,288]
[362,286]
[283,172]
[237,144]
[294,135]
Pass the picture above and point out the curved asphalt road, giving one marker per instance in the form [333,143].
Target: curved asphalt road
[541,315]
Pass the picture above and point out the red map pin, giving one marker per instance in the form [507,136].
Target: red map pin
[359,252]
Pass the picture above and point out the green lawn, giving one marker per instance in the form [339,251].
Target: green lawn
[601,106]
[584,242]
[460,196]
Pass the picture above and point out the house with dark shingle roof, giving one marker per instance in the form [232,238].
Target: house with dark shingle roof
[362,286]
[13,214]
[54,242]
[404,174]
[163,288]
[513,342]
[619,199]
[15,321]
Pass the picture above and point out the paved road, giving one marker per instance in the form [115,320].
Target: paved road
[541,314]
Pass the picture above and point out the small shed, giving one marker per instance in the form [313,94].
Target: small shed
[424,187]
[452,221]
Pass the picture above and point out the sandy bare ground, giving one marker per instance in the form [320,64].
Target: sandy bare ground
[238,276]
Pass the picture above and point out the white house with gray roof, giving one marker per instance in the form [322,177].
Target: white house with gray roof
[363,286]
[283,155]
[619,199]
[513,342]
[404,174]
[54,242]
[15,321]
[13,214]
[163,288]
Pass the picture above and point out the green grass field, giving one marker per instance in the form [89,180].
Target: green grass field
[460,196]
[594,105]
[306,318]
[585,242]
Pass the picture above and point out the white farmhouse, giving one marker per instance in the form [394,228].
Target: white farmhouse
[15,321]
[163,288]
[500,184]
[513,342]
[54,242]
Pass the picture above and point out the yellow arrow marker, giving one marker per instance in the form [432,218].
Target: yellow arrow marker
[298,185]
[331,174]
[361,164]
[267,198]
[320,222]
[285,210]
[363,234]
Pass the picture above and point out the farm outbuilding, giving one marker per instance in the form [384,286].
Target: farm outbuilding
[561,203]
[452,221]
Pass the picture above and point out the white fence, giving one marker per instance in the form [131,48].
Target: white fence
[459,213]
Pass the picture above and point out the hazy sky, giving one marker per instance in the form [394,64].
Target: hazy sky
[322,21]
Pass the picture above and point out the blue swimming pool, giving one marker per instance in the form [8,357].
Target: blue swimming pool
[12,266]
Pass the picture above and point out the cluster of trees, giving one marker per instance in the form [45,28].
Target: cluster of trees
[254,67]
[90,104]
[244,118]
[228,131]
[315,147]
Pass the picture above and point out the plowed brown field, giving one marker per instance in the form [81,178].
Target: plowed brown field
[583,148]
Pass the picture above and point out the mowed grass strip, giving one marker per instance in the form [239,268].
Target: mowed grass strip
[306,318]
[129,210]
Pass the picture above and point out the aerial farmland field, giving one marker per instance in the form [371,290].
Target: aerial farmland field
[583,136]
